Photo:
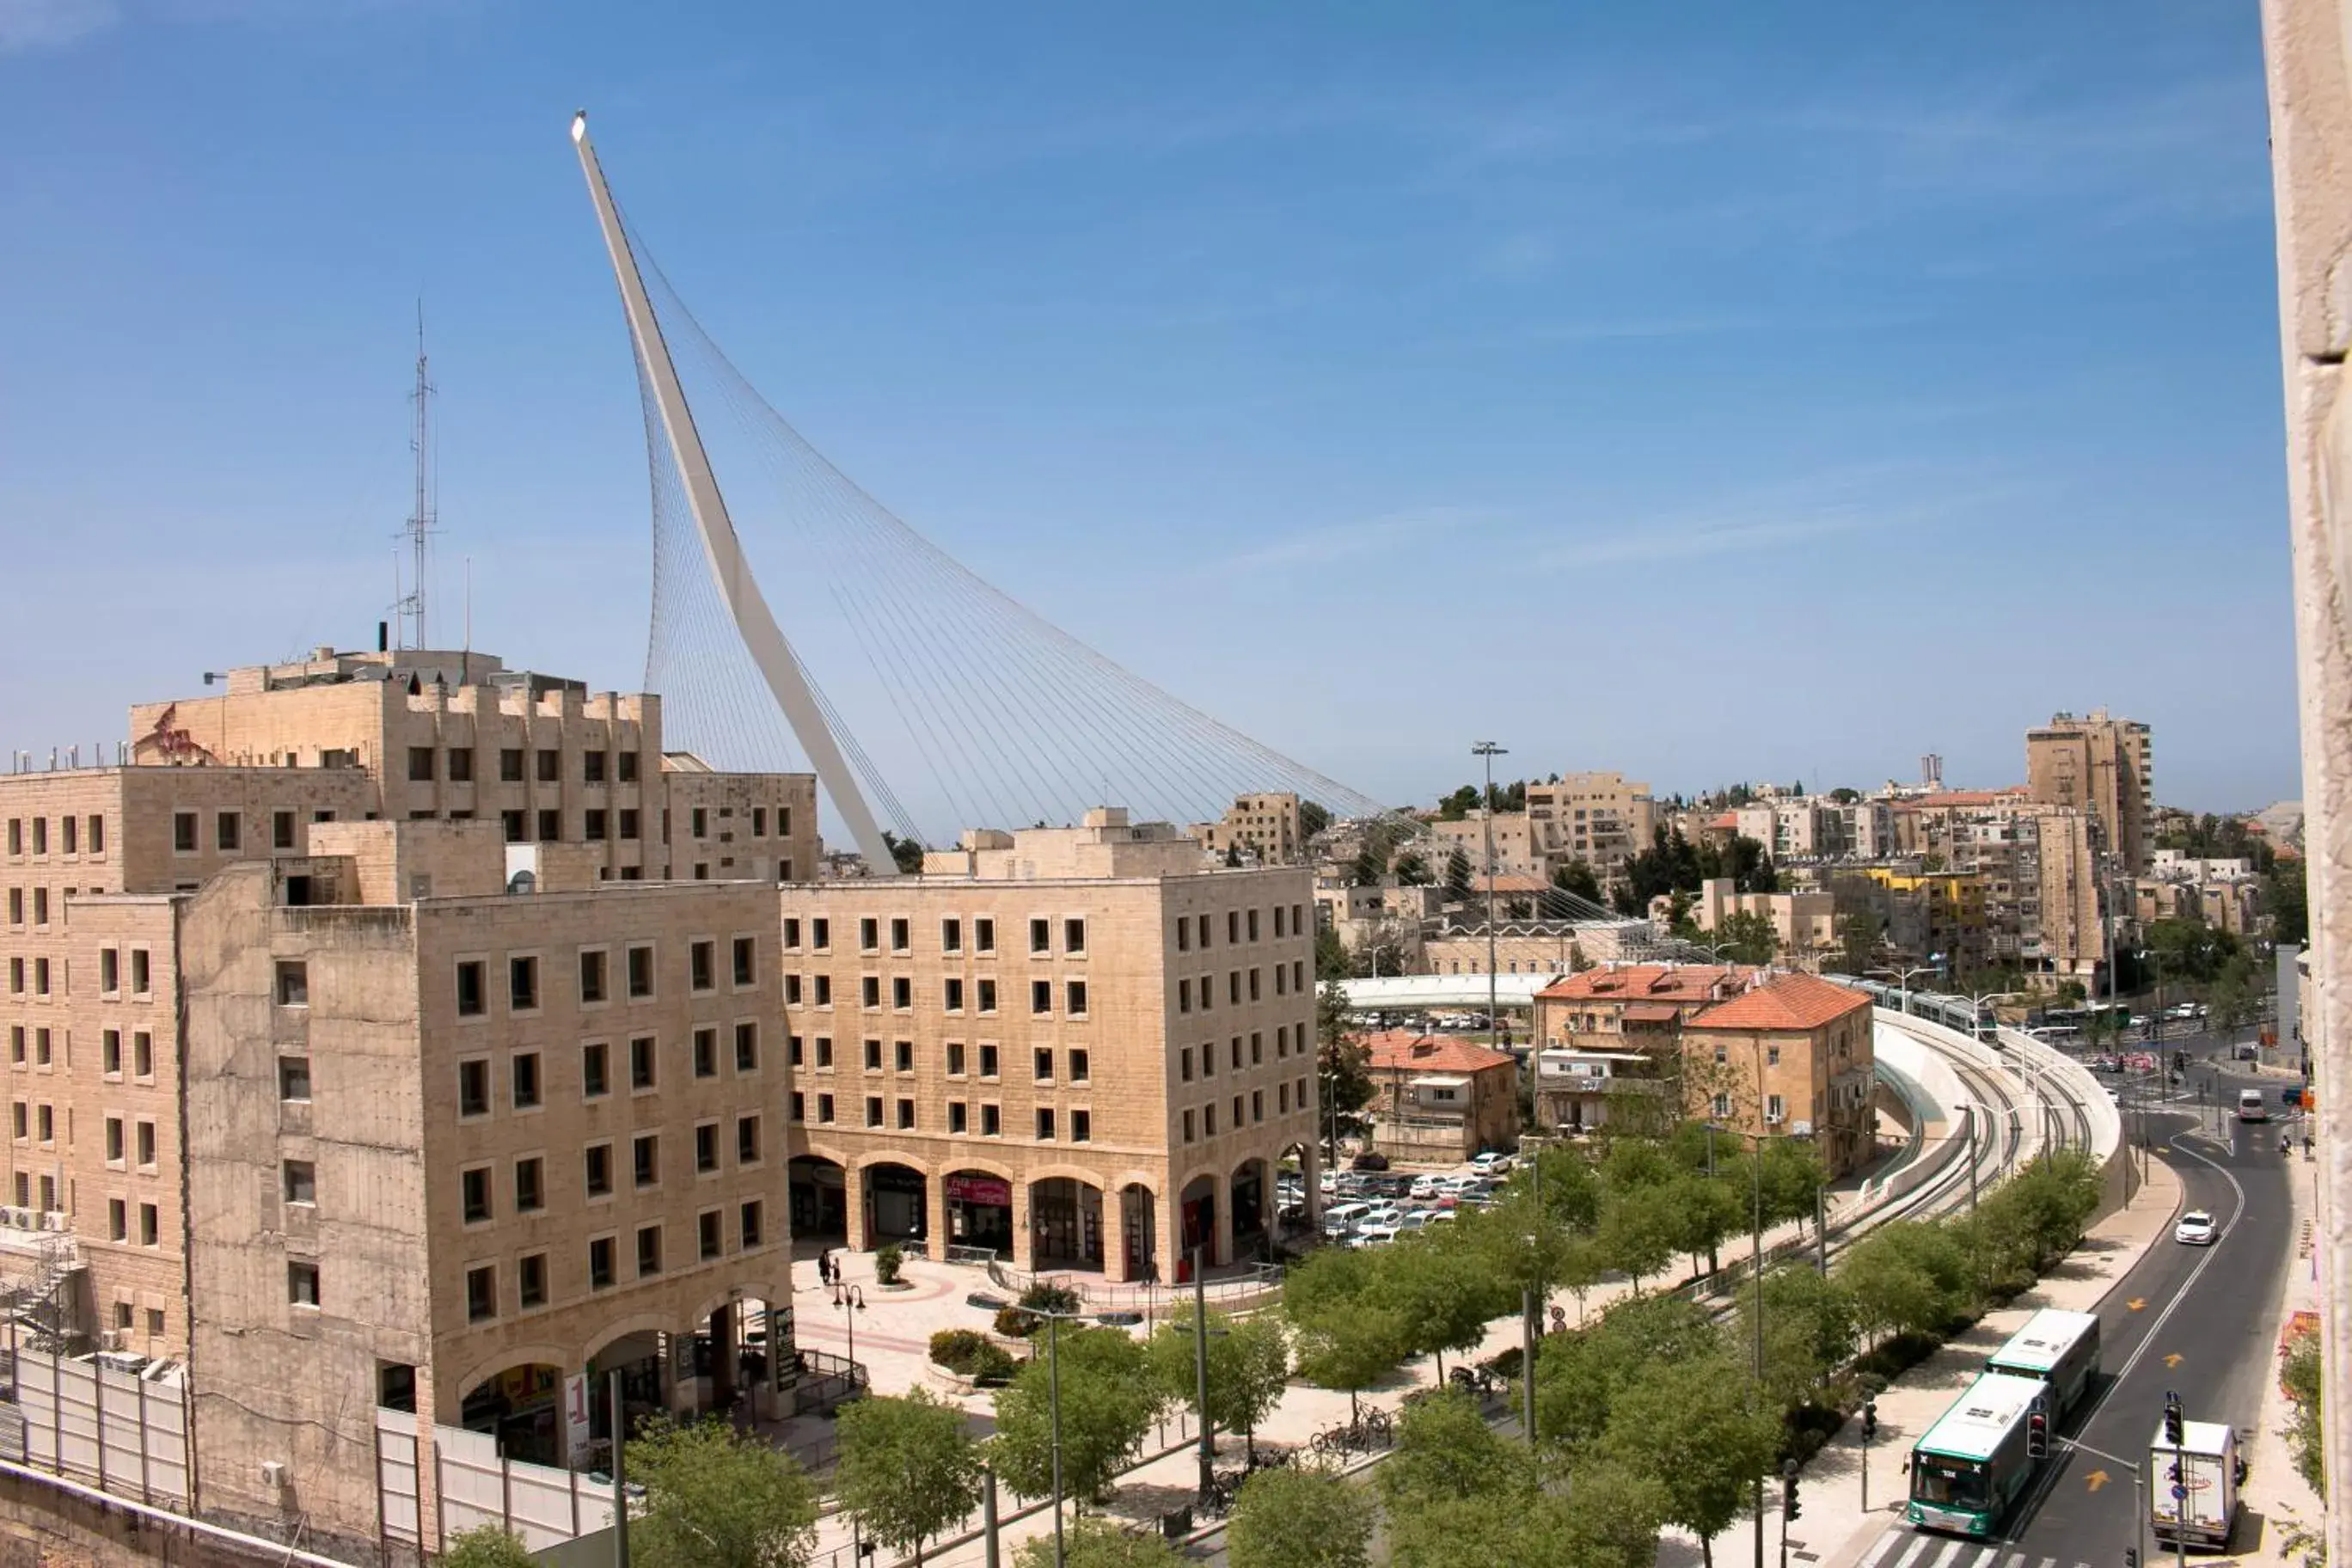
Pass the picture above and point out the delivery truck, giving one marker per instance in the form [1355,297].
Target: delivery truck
[2195,1498]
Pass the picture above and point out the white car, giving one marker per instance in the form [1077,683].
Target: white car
[1426,1187]
[2197,1228]
[1373,1234]
[1491,1165]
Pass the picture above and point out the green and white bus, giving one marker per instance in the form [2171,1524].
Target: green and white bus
[1972,1463]
[2058,1349]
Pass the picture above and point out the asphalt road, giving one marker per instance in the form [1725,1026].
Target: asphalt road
[2195,1320]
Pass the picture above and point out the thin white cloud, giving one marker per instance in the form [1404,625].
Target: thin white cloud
[1351,540]
[28,25]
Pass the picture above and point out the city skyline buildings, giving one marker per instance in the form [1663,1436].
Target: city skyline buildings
[194,411]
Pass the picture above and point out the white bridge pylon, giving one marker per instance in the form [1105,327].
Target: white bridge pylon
[763,638]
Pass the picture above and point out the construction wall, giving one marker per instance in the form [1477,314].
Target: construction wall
[473,1486]
[112,1429]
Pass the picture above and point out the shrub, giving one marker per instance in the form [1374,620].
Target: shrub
[1014,1323]
[1019,1322]
[886,1264]
[956,1349]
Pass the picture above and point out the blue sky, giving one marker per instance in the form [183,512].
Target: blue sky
[1707,392]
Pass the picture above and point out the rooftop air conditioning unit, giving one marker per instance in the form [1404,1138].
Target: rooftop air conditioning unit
[273,1473]
[1774,1118]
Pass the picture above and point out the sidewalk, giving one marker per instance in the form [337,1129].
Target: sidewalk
[2274,1494]
[1834,1529]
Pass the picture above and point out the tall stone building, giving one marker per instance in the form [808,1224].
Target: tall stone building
[2101,764]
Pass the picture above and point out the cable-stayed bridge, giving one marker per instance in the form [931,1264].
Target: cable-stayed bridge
[983,712]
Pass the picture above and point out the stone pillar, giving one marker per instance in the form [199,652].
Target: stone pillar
[1024,1243]
[722,1356]
[853,1209]
[1113,1235]
[1310,1169]
[1221,1249]
[935,1216]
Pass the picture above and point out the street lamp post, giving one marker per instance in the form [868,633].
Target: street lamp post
[1903,980]
[1488,750]
[1200,1370]
[851,1299]
[1053,1321]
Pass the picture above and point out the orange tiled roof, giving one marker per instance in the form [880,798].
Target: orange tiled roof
[1784,1002]
[1648,983]
[1402,1050]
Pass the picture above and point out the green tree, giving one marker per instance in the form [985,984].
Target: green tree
[1444,1452]
[1579,877]
[910,1470]
[1706,1210]
[1371,862]
[1098,1543]
[907,853]
[1460,803]
[2284,895]
[1857,933]
[1579,1374]
[1457,878]
[1906,1277]
[1809,1329]
[1108,1403]
[1352,1346]
[2301,1375]
[1792,1177]
[1443,1296]
[1314,816]
[1613,1517]
[1249,1364]
[1347,1080]
[1698,1427]
[1641,1230]
[715,1498]
[1300,1518]
[487,1546]
[1411,871]
[1330,954]
[1748,936]
[2229,1003]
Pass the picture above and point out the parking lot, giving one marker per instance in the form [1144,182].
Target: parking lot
[1367,1208]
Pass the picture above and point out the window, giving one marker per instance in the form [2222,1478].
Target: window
[955,1059]
[1184,933]
[600,1264]
[898,938]
[1232,928]
[1774,1108]
[988,996]
[293,983]
[1722,1106]
[1253,925]
[1183,997]
[792,990]
[824,1108]
[1082,1127]
[873,1056]
[800,1107]
[992,1122]
[793,935]
[114,1138]
[984,935]
[1184,1065]
[952,936]
[645,1159]
[824,990]
[958,1116]
[627,763]
[825,1051]
[746,948]
[700,823]
[294,1079]
[110,1050]
[551,826]
[475,1187]
[902,993]
[869,934]
[184,833]
[820,934]
[1235,1057]
[281,830]
[420,764]
[1209,1121]
[705,1148]
[1208,1059]
[117,1220]
[40,1047]
[869,991]
[470,1000]
[109,970]
[302,1284]
[41,906]
[474,1089]
[1046,1123]
[641,971]
[747,1048]
[628,823]
[523,1071]
[902,1055]
[530,1280]
[1041,936]
[529,1193]
[873,1111]
[461,765]
[706,1053]
[649,1248]
[146,1140]
[1078,1065]
[510,764]
[1073,998]
[1041,996]
[1771,1056]
[906,1116]
[594,1083]
[700,957]
[987,1060]
[1257,1047]
[592,767]
[1074,936]
[1188,1127]
[522,984]
[1257,1105]
[596,1166]
[1043,1065]
[748,1219]
[641,1062]
[593,824]
[707,1237]
[591,976]
[747,1140]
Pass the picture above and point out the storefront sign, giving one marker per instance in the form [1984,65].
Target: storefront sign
[970,1189]
[575,1417]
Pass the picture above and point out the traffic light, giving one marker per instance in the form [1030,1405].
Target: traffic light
[1869,1420]
[2172,1419]
[2037,1436]
[1789,1506]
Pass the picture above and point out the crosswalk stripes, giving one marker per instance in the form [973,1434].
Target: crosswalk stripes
[1903,1547]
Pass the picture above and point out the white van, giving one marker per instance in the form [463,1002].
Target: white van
[2252,1106]
[1339,1220]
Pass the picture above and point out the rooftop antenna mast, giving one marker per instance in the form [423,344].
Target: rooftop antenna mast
[409,608]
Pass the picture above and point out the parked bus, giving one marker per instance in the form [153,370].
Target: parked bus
[1972,1464]
[2058,1349]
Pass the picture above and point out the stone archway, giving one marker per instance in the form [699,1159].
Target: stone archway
[1197,1207]
[521,1407]
[896,1204]
[819,1193]
[1066,1224]
[978,1206]
[1249,1192]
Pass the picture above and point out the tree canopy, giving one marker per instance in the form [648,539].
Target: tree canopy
[910,1470]
[1291,1517]
[715,1498]
[1108,1401]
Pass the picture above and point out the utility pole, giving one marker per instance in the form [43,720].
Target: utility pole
[1488,750]
[1527,1358]
[1201,1371]
[620,1485]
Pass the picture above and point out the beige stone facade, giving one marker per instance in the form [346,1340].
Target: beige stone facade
[2103,766]
[454,1150]
[1263,826]
[1076,1048]
[1437,1099]
[1789,1057]
[1516,852]
[1601,818]
[1805,923]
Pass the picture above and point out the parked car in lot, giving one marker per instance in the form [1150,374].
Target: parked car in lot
[1373,1235]
[2197,1228]
[1492,1163]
